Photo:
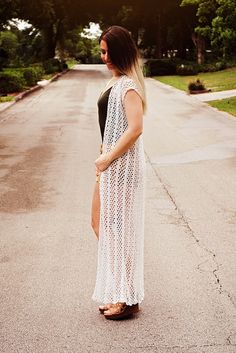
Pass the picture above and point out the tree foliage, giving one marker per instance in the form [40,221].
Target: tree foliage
[8,10]
[53,18]
[205,12]
[224,27]
[9,43]
[216,23]
[85,50]
[160,27]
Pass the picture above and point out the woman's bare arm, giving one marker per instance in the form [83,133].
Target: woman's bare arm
[134,113]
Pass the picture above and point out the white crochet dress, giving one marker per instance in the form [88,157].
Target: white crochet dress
[121,232]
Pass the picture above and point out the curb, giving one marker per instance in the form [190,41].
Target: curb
[27,92]
[58,75]
[38,86]
[33,89]
[195,96]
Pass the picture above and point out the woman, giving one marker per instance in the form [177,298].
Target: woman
[117,207]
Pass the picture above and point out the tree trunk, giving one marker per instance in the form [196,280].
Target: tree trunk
[49,42]
[158,51]
[181,49]
[200,45]
[182,54]
[59,39]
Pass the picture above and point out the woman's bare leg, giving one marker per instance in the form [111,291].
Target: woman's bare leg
[95,214]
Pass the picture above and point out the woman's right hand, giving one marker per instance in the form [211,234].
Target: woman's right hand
[102,162]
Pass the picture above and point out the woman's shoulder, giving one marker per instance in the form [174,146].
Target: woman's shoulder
[128,80]
[128,83]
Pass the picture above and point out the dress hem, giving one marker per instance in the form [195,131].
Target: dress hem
[118,300]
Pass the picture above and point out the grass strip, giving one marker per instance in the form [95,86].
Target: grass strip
[216,81]
[227,105]
[5,99]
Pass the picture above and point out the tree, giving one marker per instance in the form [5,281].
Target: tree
[205,12]
[179,25]
[84,49]
[9,45]
[159,27]
[30,45]
[8,10]
[53,18]
[152,18]
[224,28]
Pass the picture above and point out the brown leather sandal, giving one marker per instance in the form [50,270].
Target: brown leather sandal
[121,311]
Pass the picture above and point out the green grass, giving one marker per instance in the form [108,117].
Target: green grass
[71,63]
[216,81]
[15,71]
[19,72]
[6,99]
[227,105]
[48,76]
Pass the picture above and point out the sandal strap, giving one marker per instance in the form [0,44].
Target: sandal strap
[119,304]
[118,308]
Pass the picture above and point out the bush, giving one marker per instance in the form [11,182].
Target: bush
[212,67]
[193,69]
[32,75]
[64,65]
[52,65]
[196,86]
[159,67]
[187,70]
[3,58]
[208,68]
[95,59]
[221,65]
[10,83]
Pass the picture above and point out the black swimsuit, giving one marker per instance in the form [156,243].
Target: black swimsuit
[102,109]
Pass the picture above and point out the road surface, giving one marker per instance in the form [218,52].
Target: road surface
[48,252]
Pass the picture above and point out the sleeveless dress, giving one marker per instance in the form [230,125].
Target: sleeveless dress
[121,231]
[102,110]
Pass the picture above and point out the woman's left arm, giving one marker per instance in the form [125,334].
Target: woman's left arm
[134,114]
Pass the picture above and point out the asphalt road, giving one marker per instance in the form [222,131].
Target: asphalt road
[48,252]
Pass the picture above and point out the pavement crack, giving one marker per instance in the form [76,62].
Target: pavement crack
[178,346]
[190,231]
[229,339]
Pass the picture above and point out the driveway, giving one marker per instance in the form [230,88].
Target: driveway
[48,144]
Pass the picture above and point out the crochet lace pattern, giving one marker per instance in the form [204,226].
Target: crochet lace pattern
[121,231]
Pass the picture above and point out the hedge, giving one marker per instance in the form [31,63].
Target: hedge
[32,75]
[162,67]
[53,65]
[10,83]
[159,67]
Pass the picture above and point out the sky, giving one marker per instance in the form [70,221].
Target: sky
[92,32]
[21,24]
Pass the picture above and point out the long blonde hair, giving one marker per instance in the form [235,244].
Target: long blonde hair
[136,74]
[124,56]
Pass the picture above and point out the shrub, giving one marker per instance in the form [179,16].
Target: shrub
[146,70]
[95,59]
[208,68]
[32,75]
[205,68]
[159,67]
[196,86]
[187,70]
[64,65]
[193,69]
[52,65]
[221,65]
[10,83]
[3,57]
[212,67]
